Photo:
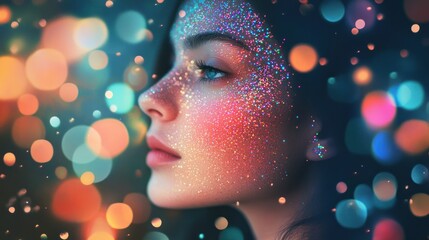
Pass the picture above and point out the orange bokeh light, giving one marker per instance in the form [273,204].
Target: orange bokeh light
[413,136]
[69,92]
[12,78]
[101,236]
[26,130]
[46,69]
[58,35]
[5,14]
[362,76]
[28,104]
[113,135]
[42,151]
[303,58]
[9,159]
[119,215]
[76,202]
[419,204]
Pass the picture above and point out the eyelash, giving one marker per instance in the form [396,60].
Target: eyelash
[203,67]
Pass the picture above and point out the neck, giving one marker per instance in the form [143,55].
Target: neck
[268,218]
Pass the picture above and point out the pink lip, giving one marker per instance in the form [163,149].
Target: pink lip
[160,154]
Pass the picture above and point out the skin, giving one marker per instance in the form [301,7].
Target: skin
[241,137]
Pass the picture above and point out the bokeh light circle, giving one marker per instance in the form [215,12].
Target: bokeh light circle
[351,213]
[420,174]
[122,98]
[419,204]
[136,77]
[46,69]
[378,109]
[384,186]
[113,136]
[69,92]
[42,151]
[90,33]
[98,59]
[384,148]
[76,141]
[28,104]
[362,75]
[303,58]
[13,81]
[9,159]
[100,168]
[130,27]
[410,95]
[5,14]
[119,215]
[75,202]
[364,194]
[388,229]
[101,236]
[332,10]
[417,10]
[413,136]
[55,121]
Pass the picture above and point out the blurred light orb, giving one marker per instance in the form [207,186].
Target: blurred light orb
[90,33]
[388,229]
[5,14]
[364,194]
[76,141]
[420,174]
[64,235]
[28,104]
[332,10]
[99,168]
[69,92]
[13,82]
[378,109]
[341,187]
[9,159]
[362,76]
[140,206]
[87,178]
[83,154]
[231,233]
[412,136]
[136,77]
[130,27]
[55,121]
[101,236]
[46,69]
[410,95]
[58,34]
[384,148]
[119,215]
[360,24]
[121,96]
[419,204]
[42,151]
[155,236]
[96,114]
[156,222]
[221,223]
[351,213]
[75,202]
[113,135]
[138,60]
[26,130]
[384,186]
[61,172]
[98,59]
[361,14]
[415,28]
[417,10]
[303,58]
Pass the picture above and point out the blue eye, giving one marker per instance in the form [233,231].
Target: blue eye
[209,73]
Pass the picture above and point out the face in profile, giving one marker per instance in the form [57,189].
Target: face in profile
[224,126]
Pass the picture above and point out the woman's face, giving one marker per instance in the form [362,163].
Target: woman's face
[225,110]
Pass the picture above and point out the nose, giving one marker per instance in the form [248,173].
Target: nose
[159,102]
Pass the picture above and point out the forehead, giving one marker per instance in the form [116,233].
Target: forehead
[236,18]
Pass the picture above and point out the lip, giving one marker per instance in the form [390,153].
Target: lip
[160,153]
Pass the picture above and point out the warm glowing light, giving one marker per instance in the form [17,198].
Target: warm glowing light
[384,186]
[26,130]
[221,223]
[109,3]
[42,151]
[354,60]
[371,46]
[404,53]
[139,60]
[113,135]
[46,69]
[90,33]
[360,24]
[12,78]
[75,202]
[11,209]
[415,28]
[341,187]
[419,204]
[5,14]
[388,229]
[362,76]
[136,77]
[303,58]
[61,172]
[378,109]
[119,215]
[101,236]
[9,159]
[413,136]
[156,222]
[58,34]
[282,200]
[64,235]
[28,104]
[182,13]
[87,178]
[140,206]
[355,31]
[98,60]
[69,92]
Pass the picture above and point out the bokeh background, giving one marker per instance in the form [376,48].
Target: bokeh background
[72,136]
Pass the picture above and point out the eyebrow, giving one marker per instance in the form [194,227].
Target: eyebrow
[197,40]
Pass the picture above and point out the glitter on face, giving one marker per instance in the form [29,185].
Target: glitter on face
[226,126]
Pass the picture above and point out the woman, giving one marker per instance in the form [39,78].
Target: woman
[227,127]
